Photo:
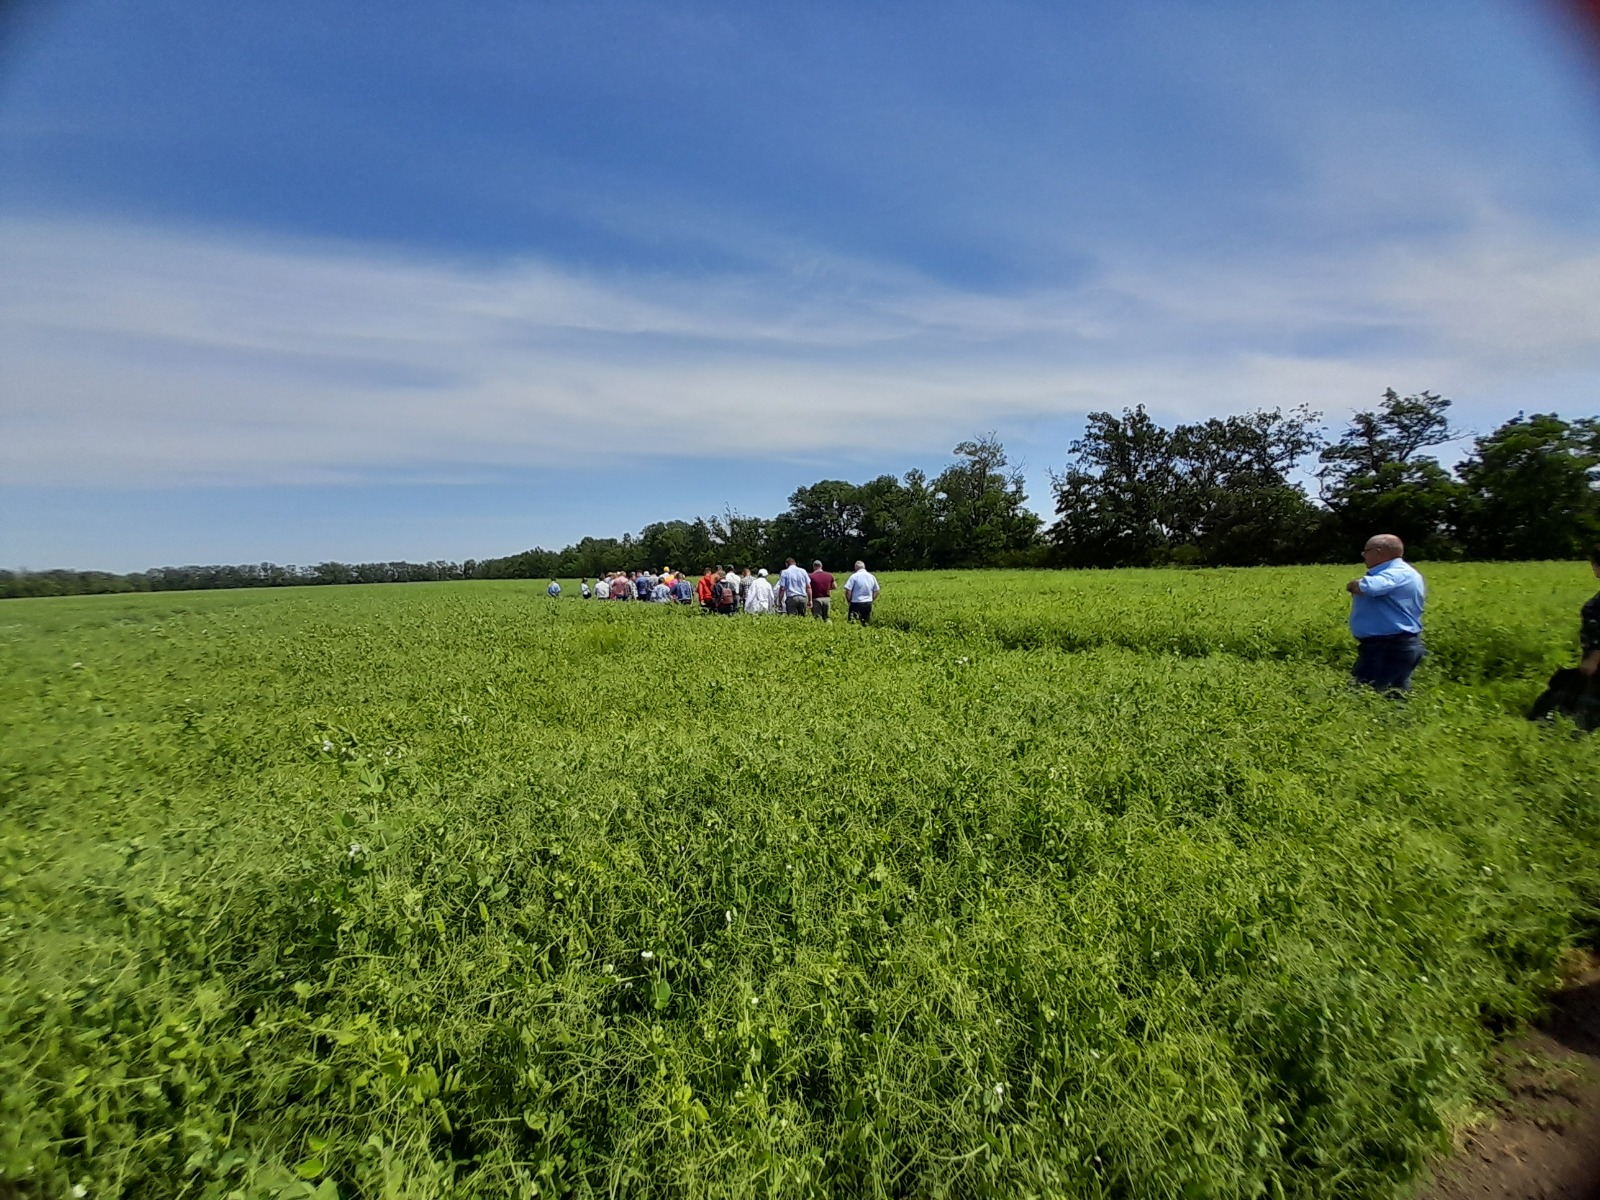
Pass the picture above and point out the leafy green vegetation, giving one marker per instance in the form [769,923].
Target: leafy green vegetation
[454,890]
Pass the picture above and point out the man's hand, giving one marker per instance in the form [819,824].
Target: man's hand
[1590,663]
[1353,587]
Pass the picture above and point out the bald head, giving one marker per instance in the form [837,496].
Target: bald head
[1382,547]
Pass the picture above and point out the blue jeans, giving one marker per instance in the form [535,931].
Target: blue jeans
[1386,663]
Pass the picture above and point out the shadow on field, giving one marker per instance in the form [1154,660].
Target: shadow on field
[1542,1138]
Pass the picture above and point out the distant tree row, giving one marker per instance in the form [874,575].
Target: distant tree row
[970,515]
[1222,492]
[248,575]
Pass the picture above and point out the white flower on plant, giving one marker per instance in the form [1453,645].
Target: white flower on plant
[607,969]
[1000,1090]
[647,954]
[327,746]
[356,849]
[79,1191]
[728,916]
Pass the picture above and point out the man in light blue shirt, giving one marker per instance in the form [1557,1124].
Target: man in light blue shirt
[1386,616]
[794,589]
[860,590]
[553,591]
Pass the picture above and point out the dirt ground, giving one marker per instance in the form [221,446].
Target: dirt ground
[1542,1137]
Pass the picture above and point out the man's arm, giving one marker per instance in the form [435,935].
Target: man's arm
[1376,585]
[1590,663]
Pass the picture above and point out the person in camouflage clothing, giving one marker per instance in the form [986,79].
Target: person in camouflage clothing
[1576,693]
[1589,622]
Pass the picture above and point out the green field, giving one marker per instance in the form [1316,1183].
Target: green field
[1050,884]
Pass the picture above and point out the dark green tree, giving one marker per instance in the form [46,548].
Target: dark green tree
[740,541]
[1375,480]
[1115,499]
[682,545]
[823,521]
[1233,503]
[980,520]
[896,522]
[1533,489]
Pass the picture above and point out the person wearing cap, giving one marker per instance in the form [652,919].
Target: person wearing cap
[758,596]
[794,590]
[860,590]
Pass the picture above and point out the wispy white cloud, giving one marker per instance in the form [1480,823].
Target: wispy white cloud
[142,356]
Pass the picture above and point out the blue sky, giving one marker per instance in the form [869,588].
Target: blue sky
[404,280]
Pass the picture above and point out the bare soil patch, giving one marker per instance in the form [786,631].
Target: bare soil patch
[1542,1138]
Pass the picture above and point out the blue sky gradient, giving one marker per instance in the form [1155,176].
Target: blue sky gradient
[414,280]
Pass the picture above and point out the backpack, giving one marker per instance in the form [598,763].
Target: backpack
[722,594]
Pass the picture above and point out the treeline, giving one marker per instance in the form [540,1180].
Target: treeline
[249,575]
[969,515]
[1221,492]
[1228,491]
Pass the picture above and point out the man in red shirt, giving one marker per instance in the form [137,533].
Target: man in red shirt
[821,591]
[707,581]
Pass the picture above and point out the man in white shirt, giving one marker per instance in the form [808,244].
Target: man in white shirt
[758,595]
[861,589]
[602,587]
[794,590]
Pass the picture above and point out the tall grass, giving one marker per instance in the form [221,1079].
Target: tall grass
[1485,621]
[456,891]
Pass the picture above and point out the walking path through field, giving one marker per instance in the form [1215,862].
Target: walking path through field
[1543,1139]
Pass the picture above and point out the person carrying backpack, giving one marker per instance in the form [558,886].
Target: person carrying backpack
[1574,692]
[725,595]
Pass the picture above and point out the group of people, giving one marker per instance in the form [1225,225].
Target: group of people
[725,591]
[1386,607]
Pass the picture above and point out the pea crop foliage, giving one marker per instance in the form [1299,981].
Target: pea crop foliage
[1089,884]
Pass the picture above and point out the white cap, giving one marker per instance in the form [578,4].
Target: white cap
[762,572]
